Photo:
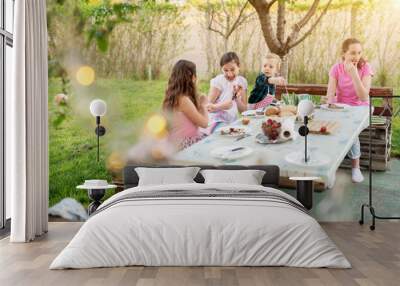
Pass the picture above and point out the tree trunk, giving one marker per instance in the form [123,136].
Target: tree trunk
[263,12]
[285,66]
[226,44]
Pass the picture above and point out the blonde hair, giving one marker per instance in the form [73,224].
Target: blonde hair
[275,57]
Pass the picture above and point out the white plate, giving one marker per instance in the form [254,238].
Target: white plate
[326,107]
[252,113]
[225,129]
[249,113]
[262,139]
[228,153]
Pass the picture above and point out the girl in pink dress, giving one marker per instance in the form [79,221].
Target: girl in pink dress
[349,83]
[186,109]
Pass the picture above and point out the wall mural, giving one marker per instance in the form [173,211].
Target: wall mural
[196,83]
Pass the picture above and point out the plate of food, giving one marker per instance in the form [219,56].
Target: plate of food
[253,113]
[233,131]
[263,139]
[249,113]
[335,107]
[281,111]
[231,152]
[323,127]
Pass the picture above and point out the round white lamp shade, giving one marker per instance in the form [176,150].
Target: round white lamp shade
[305,107]
[98,107]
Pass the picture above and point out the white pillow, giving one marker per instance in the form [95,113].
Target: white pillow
[248,177]
[166,176]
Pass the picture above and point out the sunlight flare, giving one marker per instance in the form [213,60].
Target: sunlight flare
[85,75]
[156,125]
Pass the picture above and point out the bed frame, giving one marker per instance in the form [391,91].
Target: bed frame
[270,179]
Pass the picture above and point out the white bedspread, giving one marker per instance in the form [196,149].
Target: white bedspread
[200,231]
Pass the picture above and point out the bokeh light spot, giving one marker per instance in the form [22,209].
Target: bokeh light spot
[115,162]
[85,75]
[156,125]
[95,2]
[157,153]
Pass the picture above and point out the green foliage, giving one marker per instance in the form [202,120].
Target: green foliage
[294,99]
[95,21]
[100,20]
[302,6]
[216,4]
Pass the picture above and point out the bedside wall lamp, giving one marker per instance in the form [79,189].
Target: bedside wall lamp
[98,108]
[305,109]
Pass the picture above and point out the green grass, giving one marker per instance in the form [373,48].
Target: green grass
[73,143]
[72,156]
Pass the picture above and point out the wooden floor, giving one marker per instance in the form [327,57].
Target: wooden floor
[375,257]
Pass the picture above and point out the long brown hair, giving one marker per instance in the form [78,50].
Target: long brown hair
[181,83]
[345,47]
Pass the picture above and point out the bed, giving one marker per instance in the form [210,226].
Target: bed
[201,224]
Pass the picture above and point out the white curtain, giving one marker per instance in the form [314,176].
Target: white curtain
[26,124]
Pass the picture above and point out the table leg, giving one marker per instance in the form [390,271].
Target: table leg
[95,195]
[305,193]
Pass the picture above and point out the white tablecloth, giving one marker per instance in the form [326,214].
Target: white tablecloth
[334,146]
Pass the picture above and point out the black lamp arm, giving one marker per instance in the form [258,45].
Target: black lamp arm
[100,131]
[303,131]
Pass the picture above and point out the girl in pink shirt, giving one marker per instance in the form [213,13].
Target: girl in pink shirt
[187,109]
[349,83]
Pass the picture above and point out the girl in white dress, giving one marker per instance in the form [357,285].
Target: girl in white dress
[228,91]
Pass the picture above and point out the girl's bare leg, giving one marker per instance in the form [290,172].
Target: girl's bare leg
[355,163]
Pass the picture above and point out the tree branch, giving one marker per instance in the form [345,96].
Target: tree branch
[219,24]
[211,21]
[245,18]
[311,28]
[227,20]
[308,15]
[224,8]
[270,3]
[281,21]
[299,25]
[237,21]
